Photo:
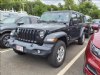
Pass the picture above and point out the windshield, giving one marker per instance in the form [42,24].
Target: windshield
[96,21]
[9,20]
[55,16]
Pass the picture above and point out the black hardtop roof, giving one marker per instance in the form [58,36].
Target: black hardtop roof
[63,11]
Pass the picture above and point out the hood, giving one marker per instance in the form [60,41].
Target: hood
[45,26]
[7,25]
[96,39]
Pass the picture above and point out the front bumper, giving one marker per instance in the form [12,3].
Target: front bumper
[92,64]
[89,70]
[32,48]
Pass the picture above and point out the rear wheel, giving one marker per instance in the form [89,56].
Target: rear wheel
[81,40]
[56,58]
[4,40]
[18,52]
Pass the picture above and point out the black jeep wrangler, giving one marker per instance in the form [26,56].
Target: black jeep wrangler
[50,36]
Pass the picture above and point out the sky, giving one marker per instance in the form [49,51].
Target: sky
[55,2]
[97,2]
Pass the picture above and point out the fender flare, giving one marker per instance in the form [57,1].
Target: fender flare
[3,31]
[55,35]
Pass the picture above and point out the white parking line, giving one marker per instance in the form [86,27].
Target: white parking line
[6,50]
[67,67]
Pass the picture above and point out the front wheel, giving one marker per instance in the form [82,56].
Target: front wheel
[4,40]
[81,40]
[56,58]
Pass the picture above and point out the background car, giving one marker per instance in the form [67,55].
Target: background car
[92,55]
[8,24]
[11,13]
[95,23]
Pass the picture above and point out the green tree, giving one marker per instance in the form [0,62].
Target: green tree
[5,1]
[61,7]
[89,8]
[69,4]
[38,8]
[95,14]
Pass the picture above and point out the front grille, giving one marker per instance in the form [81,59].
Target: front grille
[91,69]
[26,35]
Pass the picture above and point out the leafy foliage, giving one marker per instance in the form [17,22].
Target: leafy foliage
[37,7]
[89,8]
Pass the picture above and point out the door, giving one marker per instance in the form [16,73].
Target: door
[73,26]
[80,22]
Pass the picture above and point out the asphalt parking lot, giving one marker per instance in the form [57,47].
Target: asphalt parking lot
[13,64]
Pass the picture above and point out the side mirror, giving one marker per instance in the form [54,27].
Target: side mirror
[20,23]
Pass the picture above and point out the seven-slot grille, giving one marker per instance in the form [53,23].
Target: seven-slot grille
[26,35]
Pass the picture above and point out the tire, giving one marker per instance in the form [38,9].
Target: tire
[55,59]
[3,40]
[18,52]
[81,39]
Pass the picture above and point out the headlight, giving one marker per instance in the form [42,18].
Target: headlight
[39,36]
[42,34]
[95,50]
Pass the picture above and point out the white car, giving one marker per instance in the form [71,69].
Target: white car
[6,14]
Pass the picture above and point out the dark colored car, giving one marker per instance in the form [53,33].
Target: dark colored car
[92,55]
[50,36]
[95,23]
[8,24]
[7,14]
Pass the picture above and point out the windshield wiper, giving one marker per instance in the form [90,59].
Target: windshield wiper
[47,21]
[53,21]
[58,22]
[41,21]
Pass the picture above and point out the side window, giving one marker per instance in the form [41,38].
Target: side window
[80,18]
[74,16]
[73,20]
[24,20]
[83,19]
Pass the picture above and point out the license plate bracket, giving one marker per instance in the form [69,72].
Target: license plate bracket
[19,48]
